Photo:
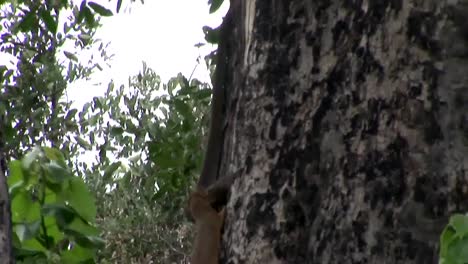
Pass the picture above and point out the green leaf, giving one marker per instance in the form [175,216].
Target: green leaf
[98,102]
[166,161]
[77,255]
[70,56]
[91,242]
[203,94]
[33,245]
[16,175]
[57,173]
[457,251]
[460,223]
[211,35]
[79,226]
[100,9]
[24,209]
[116,131]
[49,21]
[15,239]
[62,213]
[56,189]
[26,231]
[54,154]
[182,108]
[32,257]
[447,236]
[89,17]
[53,230]
[135,158]
[30,157]
[83,143]
[50,196]
[109,171]
[71,114]
[215,5]
[81,199]
[81,14]
[28,22]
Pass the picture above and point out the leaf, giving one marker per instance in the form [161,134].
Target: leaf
[24,209]
[460,223]
[109,171]
[50,196]
[49,21]
[203,94]
[83,143]
[211,35]
[166,161]
[16,174]
[182,108]
[81,14]
[53,230]
[89,17]
[447,236]
[30,157]
[98,102]
[16,241]
[215,5]
[70,56]
[135,158]
[116,131]
[54,154]
[119,5]
[63,214]
[32,229]
[33,245]
[26,234]
[81,199]
[71,114]
[90,242]
[100,9]
[79,226]
[8,74]
[57,173]
[457,251]
[77,255]
[28,22]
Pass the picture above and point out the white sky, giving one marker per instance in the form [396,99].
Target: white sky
[161,32]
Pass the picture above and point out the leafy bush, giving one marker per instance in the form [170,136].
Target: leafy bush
[148,143]
[147,137]
[53,212]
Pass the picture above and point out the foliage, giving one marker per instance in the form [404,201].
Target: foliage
[454,241]
[53,212]
[215,5]
[147,140]
[32,109]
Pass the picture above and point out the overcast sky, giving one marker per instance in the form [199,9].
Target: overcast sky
[161,32]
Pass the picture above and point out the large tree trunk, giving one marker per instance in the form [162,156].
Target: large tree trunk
[349,122]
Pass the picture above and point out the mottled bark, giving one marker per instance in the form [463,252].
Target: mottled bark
[349,121]
[6,253]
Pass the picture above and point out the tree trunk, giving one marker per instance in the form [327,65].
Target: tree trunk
[6,253]
[349,123]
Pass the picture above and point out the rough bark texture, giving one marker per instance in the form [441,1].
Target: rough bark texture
[350,122]
[6,254]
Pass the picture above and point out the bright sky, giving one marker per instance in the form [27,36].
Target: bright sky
[161,32]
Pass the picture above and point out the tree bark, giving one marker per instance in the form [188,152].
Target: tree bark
[349,123]
[6,252]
